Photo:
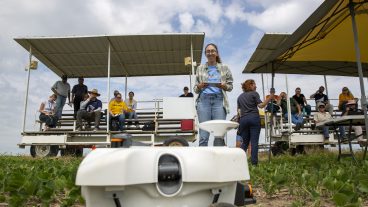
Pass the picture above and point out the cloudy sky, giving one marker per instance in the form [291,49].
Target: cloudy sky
[235,26]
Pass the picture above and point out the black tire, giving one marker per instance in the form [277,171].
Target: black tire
[176,142]
[44,150]
[75,151]
[279,148]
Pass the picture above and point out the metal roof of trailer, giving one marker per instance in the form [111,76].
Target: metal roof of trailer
[131,55]
[322,45]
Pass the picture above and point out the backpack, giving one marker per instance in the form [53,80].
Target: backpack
[148,126]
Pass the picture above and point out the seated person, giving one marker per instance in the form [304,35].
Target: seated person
[319,96]
[322,116]
[272,105]
[352,109]
[186,93]
[296,114]
[117,110]
[48,112]
[115,94]
[344,97]
[302,101]
[132,107]
[90,110]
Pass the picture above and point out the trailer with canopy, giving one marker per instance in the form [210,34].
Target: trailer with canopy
[116,56]
[332,41]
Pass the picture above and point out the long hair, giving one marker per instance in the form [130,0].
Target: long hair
[246,86]
[346,88]
[218,59]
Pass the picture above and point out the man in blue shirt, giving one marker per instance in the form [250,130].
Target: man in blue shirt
[93,108]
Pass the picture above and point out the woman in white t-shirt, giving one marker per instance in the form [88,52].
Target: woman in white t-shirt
[47,112]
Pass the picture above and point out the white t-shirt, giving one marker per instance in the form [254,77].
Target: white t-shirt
[49,106]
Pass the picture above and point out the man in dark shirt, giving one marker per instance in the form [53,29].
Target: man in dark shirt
[302,101]
[352,109]
[78,93]
[320,97]
[93,108]
[186,93]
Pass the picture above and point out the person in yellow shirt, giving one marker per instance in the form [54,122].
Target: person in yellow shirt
[344,97]
[117,110]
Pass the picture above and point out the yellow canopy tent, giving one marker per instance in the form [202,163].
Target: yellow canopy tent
[332,41]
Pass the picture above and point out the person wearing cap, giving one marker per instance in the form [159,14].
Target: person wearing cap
[319,96]
[131,113]
[116,92]
[78,92]
[344,97]
[322,116]
[186,93]
[351,108]
[302,101]
[117,110]
[92,111]
[62,91]
[212,82]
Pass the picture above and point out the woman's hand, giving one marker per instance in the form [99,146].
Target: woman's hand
[202,85]
[221,85]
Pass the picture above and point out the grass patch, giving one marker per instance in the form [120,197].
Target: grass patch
[314,179]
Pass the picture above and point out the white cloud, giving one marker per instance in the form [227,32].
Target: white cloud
[281,16]
[186,22]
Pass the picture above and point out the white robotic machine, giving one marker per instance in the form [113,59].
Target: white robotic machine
[163,176]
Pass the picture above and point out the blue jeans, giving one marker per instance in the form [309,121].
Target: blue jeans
[121,119]
[209,107]
[60,102]
[132,115]
[295,118]
[326,133]
[250,127]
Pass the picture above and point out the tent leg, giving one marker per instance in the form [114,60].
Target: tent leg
[271,117]
[360,70]
[27,90]
[108,86]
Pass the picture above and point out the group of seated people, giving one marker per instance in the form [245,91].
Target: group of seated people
[299,108]
[90,110]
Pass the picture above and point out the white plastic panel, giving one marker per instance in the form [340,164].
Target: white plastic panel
[44,139]
[178,108]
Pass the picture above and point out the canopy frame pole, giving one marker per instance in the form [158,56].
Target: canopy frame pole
[191,61]
[27,90]
[360,70]
[288,106]
[126,87]
[192,76]
[325,79]
[271,117]
[108,86]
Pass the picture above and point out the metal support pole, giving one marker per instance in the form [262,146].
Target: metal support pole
[108,87]
[192,82]
[288,105]
[27,90]
[126,88]
[360,70]
[271,117]
[191,59]
[325,79]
